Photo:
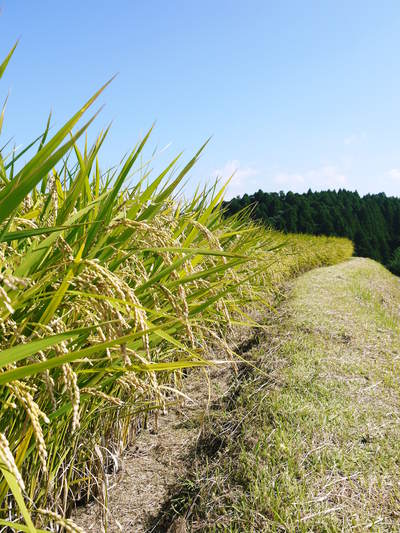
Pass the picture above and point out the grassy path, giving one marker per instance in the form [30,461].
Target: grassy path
[313,442]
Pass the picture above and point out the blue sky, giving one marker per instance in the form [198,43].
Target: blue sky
[296,94]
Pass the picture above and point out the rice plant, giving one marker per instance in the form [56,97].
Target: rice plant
[108,293]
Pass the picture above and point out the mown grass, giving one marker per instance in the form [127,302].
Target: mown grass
[311,444]
[109,292]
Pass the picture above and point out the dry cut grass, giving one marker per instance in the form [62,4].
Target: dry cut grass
[311,444]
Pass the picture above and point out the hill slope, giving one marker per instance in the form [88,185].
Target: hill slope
[311,441]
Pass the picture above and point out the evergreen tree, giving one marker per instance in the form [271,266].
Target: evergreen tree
[372,222]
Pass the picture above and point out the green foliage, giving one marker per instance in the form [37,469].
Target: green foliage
[394,263]
[372,222]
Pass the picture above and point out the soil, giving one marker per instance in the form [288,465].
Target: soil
[149,470]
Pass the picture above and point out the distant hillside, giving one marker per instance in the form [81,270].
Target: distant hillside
[372,222]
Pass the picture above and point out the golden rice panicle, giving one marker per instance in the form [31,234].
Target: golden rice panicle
[68,524]
[7,459]
[5,299]
[100,394]
[22,393]
[71,385]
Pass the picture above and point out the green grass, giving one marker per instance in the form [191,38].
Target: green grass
[311,444]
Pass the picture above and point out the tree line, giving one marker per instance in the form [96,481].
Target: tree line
[372,221]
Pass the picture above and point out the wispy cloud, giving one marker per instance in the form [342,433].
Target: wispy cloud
[289,178]
[394,174]
[354,138]
[325,177]
[241,181]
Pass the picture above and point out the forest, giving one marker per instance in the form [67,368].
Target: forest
[372,221]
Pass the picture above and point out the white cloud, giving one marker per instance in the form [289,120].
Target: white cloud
[285,178]
[354,138]
[325,177]
[241,181]
[394,174]
[351,139]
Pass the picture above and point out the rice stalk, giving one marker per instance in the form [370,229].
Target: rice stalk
[107,292]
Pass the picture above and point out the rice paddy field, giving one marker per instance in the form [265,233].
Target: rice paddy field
[112,286]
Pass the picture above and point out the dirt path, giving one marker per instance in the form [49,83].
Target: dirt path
[149,470]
